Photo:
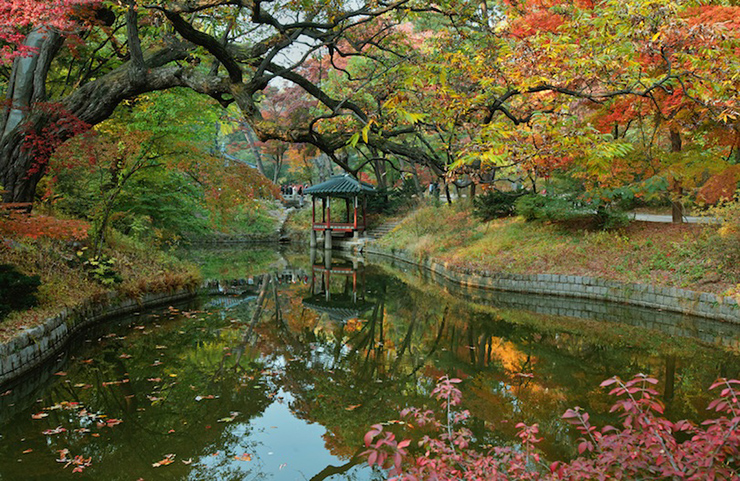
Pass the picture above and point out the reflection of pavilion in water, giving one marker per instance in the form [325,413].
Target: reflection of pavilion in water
[338,287]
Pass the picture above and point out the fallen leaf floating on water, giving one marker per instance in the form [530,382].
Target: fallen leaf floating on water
[187,461]
[79,463]
[86,361]
[210,396]
[154,379]
[63,455]
[352,407]
[232,416]
[39,415]
[243,457]
[60,373]
[6,393]
[83,385]
[65,405]
[52,432]
[28,451]
[125,356]
[168,459]
[109,423]
[115,383]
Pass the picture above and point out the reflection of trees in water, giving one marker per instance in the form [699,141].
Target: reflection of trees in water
[347,373]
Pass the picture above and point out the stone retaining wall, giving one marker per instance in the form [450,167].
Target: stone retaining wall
[236,240]
[33,346]
[700,304]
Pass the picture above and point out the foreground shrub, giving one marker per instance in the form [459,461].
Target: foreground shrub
[494,204]
[17,291]
[645,446]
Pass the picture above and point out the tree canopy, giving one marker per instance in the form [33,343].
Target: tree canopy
[616,93]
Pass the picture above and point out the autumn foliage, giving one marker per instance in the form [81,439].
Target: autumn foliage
[16,224]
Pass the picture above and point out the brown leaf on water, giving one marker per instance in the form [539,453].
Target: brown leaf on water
[168,459]
[125,356]
[243,457]
[28,451]
[39,415]
[56,430]
[187,461]
[352,407]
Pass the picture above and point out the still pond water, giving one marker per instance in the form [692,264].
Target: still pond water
[219,389]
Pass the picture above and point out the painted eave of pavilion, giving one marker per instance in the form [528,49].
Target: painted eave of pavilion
[342,185]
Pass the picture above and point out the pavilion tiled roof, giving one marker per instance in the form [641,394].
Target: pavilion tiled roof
[342,185]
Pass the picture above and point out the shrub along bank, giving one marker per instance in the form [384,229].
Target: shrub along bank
[695,257]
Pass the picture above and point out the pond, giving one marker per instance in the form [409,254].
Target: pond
[281,373]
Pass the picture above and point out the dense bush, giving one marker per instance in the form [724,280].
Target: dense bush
[17,291]
[494,204]
[567,209]
[392,201]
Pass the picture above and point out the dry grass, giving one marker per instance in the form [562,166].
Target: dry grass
[685,255]
[65,282]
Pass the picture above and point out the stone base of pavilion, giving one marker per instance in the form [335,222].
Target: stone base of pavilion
[343,243]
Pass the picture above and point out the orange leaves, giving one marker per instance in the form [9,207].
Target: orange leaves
[728,17]
[18,225]
[168,459]
[721,186]
[535,22]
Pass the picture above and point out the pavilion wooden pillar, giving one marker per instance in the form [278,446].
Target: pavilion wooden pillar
[327,231]
[364,213]
[355,232]
[313,241]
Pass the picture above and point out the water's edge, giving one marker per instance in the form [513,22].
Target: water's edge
[698,304]
[34,346]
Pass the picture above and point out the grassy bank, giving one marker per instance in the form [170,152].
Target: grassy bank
[68,277]
[688,255]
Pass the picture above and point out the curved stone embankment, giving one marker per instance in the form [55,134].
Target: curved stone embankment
[36,345]
[699,304]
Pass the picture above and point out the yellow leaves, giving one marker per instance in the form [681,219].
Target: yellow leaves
[727,116]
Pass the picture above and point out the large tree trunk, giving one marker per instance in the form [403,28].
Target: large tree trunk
[252,141]
[26,88]
[91,103]
[677,210]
